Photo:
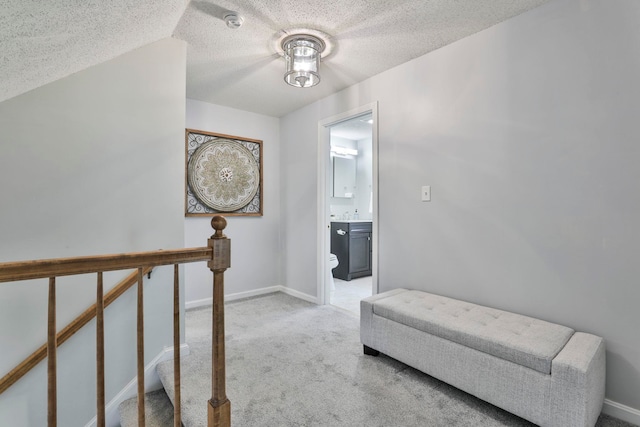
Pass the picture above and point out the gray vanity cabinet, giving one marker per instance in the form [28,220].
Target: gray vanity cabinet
[351,243]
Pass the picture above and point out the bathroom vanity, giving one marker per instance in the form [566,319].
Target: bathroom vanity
[351,243]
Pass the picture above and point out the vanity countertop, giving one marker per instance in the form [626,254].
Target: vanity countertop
[351,220]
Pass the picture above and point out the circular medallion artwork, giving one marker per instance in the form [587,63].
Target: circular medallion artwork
[223,175]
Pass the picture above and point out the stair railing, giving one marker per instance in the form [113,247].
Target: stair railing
[217,255]
[68,331]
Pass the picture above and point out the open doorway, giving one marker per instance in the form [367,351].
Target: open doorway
[348,208]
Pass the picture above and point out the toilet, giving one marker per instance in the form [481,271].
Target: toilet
[333,263]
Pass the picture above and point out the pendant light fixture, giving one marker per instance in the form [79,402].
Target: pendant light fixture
[302,53]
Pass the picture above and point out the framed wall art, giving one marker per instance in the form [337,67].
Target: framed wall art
[223,174]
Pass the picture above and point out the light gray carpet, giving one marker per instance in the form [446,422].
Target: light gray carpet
[292,363]
[158,410]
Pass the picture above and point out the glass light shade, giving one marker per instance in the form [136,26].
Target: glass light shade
[302,56]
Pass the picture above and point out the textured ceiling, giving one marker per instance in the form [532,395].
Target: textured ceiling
[43,41]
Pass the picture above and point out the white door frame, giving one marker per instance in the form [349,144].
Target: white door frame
[324,224]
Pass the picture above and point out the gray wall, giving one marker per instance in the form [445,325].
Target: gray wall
[90,164]
[256,248]
[527,133]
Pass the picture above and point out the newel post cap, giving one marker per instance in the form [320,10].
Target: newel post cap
[221,245]
[218,223]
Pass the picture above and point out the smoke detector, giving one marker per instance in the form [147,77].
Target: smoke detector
[233,20]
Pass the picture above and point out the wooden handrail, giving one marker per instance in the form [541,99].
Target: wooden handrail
[41,353]
[217,253]
[42,269]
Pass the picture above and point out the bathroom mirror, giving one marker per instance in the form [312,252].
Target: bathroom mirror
[344,177]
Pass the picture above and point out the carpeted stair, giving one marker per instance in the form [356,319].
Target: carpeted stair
[158,410]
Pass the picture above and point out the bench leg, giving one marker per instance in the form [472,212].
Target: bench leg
[370,351]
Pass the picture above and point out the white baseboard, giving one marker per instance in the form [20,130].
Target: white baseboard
[198,303]
[151,383]
[254,293]
[300,295]
[621,412]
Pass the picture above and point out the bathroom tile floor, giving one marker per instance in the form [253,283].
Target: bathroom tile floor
[348,294]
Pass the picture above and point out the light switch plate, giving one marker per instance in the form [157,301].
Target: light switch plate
[426,193]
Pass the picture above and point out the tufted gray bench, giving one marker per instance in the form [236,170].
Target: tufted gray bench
[543,372]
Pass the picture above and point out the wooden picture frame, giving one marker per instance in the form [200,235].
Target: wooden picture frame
[223,174]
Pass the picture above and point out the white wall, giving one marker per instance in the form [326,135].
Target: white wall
[527,133]
[256,254]
[90,164]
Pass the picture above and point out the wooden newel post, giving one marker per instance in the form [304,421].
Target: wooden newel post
[219,408]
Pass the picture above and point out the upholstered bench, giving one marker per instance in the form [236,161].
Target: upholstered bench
[543,372]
